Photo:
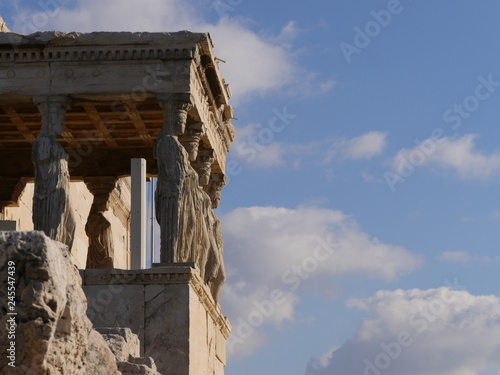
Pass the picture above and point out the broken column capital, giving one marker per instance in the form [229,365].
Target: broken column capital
[52,110]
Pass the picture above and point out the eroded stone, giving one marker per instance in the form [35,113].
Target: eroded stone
[53,334]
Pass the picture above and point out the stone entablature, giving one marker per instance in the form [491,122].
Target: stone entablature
[117,70]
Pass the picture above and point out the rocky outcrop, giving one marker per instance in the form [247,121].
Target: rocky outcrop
[3,26]
[53,335]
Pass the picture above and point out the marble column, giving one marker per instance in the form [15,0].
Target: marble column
[52,211]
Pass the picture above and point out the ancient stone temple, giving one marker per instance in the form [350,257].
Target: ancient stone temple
[76,108]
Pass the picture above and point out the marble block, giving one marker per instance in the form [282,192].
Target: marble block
[171,310]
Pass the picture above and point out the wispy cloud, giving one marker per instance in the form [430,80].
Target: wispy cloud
[365,146]
[456,153]
[455,256]
[259,153]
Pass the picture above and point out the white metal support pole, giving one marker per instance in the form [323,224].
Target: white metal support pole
[138,215]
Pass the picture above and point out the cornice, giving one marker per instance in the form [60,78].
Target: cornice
[94,54]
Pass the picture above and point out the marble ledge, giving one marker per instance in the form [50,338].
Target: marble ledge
[180,273]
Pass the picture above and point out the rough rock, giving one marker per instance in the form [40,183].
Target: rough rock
[125,346]
[3,26]
[122,342]
[53,334]
[128,368]
[96,38]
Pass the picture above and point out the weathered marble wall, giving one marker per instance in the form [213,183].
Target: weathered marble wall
[171,310]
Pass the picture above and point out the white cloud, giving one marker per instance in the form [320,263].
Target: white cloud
[256,146]
[459,154]
[365,146]
[256,150]
[419,332]
[272,250]
[255,64]
[455,256]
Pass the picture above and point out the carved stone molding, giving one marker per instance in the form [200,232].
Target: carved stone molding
[94,53]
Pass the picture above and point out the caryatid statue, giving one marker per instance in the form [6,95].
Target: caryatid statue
[98,229]
[173,174]
[52,212]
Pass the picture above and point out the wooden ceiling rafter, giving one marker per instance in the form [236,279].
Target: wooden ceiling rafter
[139,124]
[99,124]
[19,123]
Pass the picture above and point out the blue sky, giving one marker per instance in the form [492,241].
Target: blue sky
[361,217]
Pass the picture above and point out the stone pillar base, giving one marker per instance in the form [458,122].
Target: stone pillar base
[171,310]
